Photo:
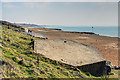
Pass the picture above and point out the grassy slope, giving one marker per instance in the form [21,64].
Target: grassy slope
[20,61]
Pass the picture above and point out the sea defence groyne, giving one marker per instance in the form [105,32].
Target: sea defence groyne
[72,53]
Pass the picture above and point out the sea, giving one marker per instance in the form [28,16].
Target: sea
[111,31]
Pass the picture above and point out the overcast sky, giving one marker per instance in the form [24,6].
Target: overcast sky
[62,13]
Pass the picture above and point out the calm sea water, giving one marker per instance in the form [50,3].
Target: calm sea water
[105,31]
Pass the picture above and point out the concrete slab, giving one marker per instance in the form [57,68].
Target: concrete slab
[68,51]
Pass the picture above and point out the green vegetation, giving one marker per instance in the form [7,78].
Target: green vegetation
[19,59]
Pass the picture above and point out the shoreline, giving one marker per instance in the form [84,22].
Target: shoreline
[107,46]
[78,32]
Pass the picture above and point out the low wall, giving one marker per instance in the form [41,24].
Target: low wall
[96,69]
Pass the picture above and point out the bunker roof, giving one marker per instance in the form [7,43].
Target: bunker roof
[68,51]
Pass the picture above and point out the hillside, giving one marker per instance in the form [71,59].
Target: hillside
[19,59]
[31,25]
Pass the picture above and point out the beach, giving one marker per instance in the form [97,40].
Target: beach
[107,46]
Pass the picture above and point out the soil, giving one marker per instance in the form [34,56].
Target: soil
[107,46]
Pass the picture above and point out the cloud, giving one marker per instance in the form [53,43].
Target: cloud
[7,5]
[60,0]
[30,5]
[35,5]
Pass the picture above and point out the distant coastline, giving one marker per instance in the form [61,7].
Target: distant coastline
[103,31]
[110,31]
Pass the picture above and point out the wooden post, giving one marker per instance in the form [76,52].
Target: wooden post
[92,28]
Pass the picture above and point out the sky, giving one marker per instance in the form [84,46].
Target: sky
[60,0]
[61,13]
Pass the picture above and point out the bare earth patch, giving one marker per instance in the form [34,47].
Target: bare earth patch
[107,46]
